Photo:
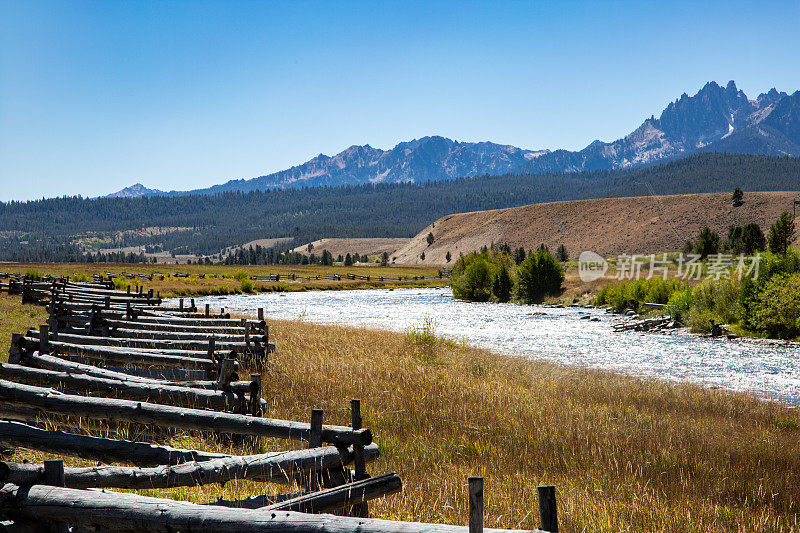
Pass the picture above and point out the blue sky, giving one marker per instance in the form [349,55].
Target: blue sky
[95,96]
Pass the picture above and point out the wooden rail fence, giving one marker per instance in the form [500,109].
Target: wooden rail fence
[125,359]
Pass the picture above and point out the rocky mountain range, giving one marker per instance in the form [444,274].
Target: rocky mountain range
[716,119]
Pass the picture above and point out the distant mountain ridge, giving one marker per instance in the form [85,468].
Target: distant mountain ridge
[716,119]
[427,159]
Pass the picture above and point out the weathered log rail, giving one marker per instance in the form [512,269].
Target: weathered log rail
[59,373]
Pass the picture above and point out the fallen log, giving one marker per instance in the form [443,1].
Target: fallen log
[18,435]
[131,512]
[129,389]
[275,467]
[54,402]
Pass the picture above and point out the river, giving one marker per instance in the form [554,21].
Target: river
[554,334]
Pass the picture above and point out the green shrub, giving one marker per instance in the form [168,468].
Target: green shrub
[80,277]
[247,286]
[539,275]
[632,294]
[33,274]
[679,304]
[776,307]
[474,280]
[717,300]
[120,283]
[241,275]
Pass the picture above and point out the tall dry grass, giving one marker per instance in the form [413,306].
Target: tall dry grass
[625,454]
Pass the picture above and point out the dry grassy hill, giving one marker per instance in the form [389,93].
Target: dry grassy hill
[349,246]
[609,226]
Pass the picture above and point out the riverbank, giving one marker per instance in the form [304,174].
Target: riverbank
[625,454]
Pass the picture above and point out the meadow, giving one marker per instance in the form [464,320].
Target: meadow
[229,278]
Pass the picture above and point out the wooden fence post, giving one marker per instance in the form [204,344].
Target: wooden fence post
[475,504]
[547,508]
[211,374]
[180,304]
[14,351]
[314,441]
[44,338]
[54,476]
[53,323]
[108,302]
[360,464]
[255,394]
[208,309]
[260,314]
[227,369]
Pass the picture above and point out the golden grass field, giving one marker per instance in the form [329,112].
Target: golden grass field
[624,454]
[195,286]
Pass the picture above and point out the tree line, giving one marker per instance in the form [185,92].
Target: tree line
[205,225]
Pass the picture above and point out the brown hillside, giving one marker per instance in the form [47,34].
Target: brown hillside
[348,246]
[609,226]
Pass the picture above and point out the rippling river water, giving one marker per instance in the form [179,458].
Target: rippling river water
[554,334]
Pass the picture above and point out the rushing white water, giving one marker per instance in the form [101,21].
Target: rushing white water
[554,334]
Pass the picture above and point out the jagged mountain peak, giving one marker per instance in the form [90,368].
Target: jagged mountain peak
[715,118]
[137,190]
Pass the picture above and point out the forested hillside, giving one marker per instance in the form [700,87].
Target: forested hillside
[206,224]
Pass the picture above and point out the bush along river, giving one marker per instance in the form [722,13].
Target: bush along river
[569,336]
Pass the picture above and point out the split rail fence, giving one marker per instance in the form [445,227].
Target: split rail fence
[124,362]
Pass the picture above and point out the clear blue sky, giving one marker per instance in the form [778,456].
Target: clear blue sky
[95,96]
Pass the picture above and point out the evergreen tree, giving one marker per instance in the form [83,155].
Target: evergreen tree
[753,239]
[429,238]
[781,234]
[562,254]
[502,283]
[519,255]
[737,196]
[707,243]
[447,256]
[539,275]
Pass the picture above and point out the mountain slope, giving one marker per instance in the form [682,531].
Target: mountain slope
[608,226]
